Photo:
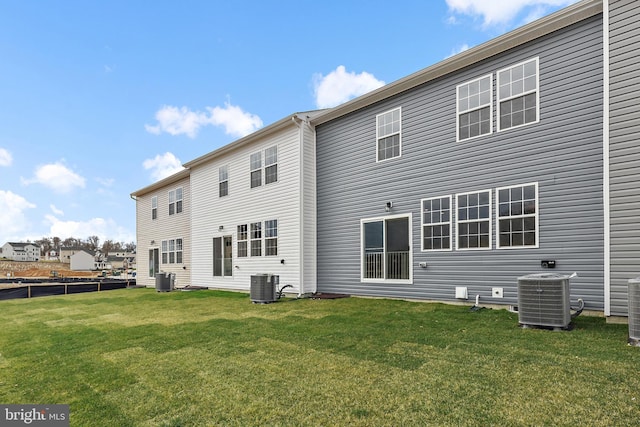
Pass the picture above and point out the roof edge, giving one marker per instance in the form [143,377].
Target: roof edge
[159,184]
[539,28]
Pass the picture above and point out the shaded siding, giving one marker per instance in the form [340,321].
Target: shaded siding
[624,145]
[562,153]
[163,228]
[244,205]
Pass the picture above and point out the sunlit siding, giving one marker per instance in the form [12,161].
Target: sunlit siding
[624,142]
[215,216]
[562,153]
[150,233]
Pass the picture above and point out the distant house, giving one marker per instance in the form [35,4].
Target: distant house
[67,252]
[20,251]
[82,260]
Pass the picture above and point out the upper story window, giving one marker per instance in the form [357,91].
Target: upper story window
[154,207]
[518,95]
[175,201]
[474,220]
[388,134]
[271,165]
[436,224]
[223,181]
[474,108]
[518,216]
[256,169]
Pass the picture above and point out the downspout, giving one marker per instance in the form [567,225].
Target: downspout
[298,124]
[606,160]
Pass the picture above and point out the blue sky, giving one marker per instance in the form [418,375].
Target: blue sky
[102,98]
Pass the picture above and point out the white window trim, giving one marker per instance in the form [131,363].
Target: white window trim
[276,164]
[250,240]
[490,219]
[537,218]
[276,238]
[175,201]
[252,170]
[537,91]
[451,224]
[362,249]
[458,112]
[220,181]
[391,134]
[154,206]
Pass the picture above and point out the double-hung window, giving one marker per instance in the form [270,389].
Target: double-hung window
[436,224]
[255,163]
[474,108]
[223,181]
[518,95]
[271,165]
[388,134]
[172,251]
[256,239]
[242,237]
[271,237]
[474,220]
[175,201]
[154,207]
[518,216]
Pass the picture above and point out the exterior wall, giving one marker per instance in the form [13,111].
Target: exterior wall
[82,261]
[214,216]
[624,148]
[150,233]
[562,153]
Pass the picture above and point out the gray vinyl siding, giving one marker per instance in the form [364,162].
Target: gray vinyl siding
[624,144]
[562,153]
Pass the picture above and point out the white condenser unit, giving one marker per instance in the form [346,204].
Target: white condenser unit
[634,311]
[544,300]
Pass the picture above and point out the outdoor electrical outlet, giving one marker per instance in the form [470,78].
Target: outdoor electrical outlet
[496,292]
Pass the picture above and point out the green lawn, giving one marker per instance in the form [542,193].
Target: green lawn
[135,357]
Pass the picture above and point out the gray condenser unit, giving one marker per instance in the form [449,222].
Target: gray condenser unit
[165,282]
[544,300]
[263,288]
[634,311]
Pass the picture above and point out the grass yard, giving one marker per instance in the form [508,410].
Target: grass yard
[135,357]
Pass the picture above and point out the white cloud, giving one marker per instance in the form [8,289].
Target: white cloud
[57,177]
[500,12]
[12,215]
[5,157]
[162,166]
[235,121]
[340,86]
[103,228]
[56,210]
[179,121]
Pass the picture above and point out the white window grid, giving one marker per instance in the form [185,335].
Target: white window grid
[223,181]
[473,220]
[518,87]
[437,214]
[389,135]
[474,108]
[517,216]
